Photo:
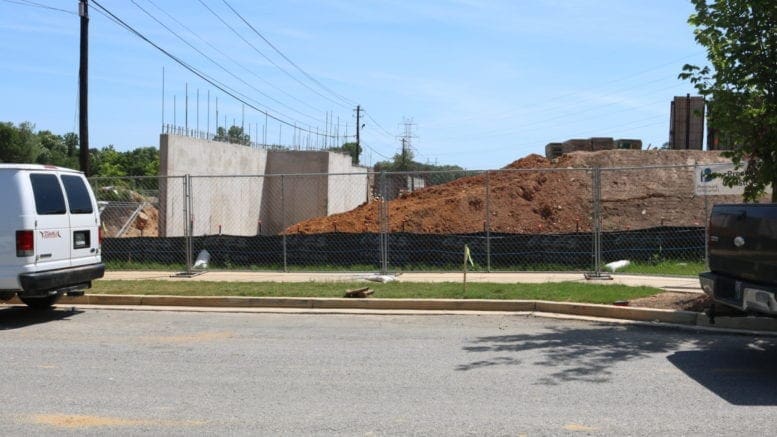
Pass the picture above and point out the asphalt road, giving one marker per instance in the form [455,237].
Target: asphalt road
[93,371]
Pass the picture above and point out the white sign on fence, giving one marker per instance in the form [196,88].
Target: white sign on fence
[708,185]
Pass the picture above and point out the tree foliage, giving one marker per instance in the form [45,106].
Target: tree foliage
[21,144]
[234,135]
[740,85]
[434,174]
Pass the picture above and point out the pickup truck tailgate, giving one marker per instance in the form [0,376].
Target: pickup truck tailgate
[743,241]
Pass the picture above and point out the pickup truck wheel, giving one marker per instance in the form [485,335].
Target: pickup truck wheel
[41,303]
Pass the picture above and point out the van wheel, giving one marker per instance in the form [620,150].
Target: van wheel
[41,302]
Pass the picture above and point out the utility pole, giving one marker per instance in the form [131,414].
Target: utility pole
[403,165]
[358,131]
[83,89]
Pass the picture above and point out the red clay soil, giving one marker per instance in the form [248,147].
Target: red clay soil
[674,301]
[537,195]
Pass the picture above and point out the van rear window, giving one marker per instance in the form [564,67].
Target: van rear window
[77,195]
[48,194]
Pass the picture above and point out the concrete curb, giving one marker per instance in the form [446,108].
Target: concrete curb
[683,318]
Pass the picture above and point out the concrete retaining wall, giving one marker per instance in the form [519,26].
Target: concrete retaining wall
[345,191]
[214,199]
[300,194]
[258,200]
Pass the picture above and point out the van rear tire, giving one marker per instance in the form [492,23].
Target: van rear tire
[41,302]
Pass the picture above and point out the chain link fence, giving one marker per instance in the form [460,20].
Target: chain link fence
[513,219]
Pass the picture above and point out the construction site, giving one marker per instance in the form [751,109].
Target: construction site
[638,204]
[531,195]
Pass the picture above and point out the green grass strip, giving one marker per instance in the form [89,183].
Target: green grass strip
[558,291]
[690,268]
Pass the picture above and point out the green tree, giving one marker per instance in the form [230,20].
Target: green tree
[71,142]
[53,150]
[237,136]
[108,162]
[19,144]
[142,161]
[234,135]
[741,85]
[221,134]
[433,174]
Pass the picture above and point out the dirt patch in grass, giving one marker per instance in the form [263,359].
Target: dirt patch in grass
[673,301]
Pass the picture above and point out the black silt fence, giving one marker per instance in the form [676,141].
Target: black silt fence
[408,251]
[654,244]
[145,250]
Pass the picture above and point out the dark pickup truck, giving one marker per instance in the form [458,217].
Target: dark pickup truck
[742,249]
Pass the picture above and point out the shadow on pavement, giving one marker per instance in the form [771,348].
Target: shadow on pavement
[579,354]
[740,369]
[741,374]
[20,316]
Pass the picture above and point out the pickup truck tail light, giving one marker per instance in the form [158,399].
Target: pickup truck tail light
[25,243]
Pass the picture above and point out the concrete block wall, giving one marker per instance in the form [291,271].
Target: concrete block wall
[554,150]
[628,144]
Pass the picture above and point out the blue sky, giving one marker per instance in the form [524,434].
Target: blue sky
[484,82]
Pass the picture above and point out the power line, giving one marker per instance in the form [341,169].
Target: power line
[277,50]
[218,64]
[389,134]
[376,152]
[225,89]
[538,125]
[268,58]
[620,127]
[39,5]
[222,53]
[578,93]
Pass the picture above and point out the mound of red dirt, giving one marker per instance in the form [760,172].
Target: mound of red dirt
[537,195]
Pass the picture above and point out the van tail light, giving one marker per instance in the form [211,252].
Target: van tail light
[25,243]
[100,236]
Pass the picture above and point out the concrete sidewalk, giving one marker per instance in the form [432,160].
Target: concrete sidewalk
[669,283]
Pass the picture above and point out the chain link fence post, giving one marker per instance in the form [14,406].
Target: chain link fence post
[596,188]
[188,221]
[488,221]
[384,226]
[283,226]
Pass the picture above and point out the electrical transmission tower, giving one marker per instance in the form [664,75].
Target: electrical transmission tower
[407,143]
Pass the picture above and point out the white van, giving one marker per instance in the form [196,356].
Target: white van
[50,234]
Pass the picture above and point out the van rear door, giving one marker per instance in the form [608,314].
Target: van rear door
[84,221]
[51,236]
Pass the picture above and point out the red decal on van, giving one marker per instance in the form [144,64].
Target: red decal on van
[50,234]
